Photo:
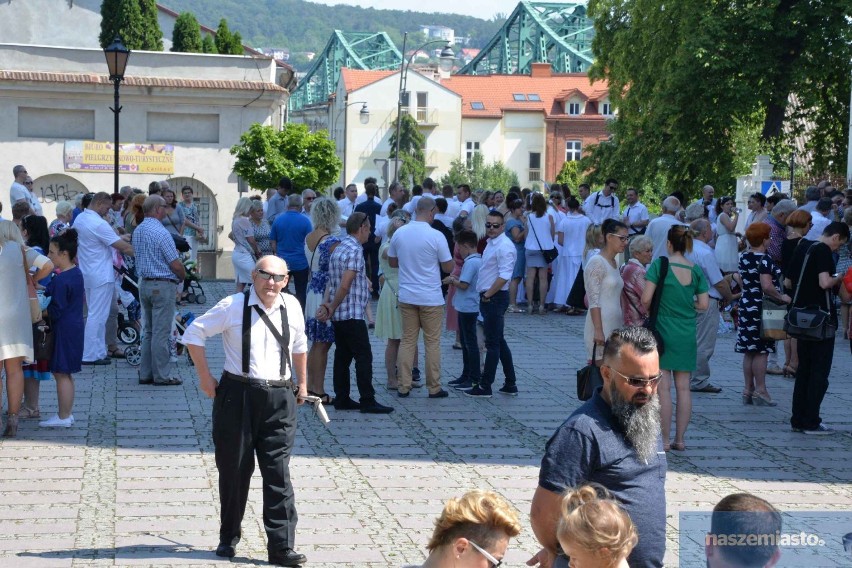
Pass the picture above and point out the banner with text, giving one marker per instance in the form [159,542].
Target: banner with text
[90,156]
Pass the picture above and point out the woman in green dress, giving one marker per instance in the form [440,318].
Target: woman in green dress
[388,317]
[684,292]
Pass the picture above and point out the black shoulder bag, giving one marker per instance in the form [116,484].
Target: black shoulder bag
[651,320]
[589,378]
[811,323]
[550,254]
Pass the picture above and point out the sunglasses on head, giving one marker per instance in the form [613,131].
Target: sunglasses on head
[264,275]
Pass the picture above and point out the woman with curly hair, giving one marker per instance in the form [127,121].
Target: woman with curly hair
[594,531]
[473,531]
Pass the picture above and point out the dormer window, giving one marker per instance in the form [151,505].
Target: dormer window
[573,108]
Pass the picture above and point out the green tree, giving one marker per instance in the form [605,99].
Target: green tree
[122,18]
[264,156]
[479,175]
[223,37]
[152,35]
[689,80]
[412,159]
[208,45]
[236,44]
[570,174]
[186,36]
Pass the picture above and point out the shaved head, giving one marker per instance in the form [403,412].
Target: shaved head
[272,263]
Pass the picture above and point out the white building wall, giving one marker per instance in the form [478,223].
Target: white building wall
[208,163]
[523,132]
[441,125]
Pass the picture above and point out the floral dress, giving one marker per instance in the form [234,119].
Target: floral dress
[315,329]
[261,236]
[752,265]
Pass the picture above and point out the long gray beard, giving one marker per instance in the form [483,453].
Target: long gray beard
[641,423]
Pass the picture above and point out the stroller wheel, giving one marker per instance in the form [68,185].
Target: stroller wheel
[128,335]
[133,355]
[190,297]
[200,299]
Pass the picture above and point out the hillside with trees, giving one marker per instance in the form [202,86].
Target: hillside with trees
[305,26]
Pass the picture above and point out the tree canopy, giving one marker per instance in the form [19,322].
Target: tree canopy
[695,83]
[479,175]
[412,158]
[265,155]
[226,42]
[186,35]
[133,22]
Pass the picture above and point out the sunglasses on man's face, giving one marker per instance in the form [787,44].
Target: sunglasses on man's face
[264,275]
[493,225]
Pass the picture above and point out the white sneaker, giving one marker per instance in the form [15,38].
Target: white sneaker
[56,422]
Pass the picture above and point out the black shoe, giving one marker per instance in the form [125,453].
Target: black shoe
[440,394]
[225,550]
[146,381]
[403,394]
[286,557]
[458,381]
[510,390]
[466,385]
[479,392]
[415,374]
[709,389]
[375,408]
[346,404]
[105,361]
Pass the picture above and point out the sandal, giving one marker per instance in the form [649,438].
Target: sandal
[27,412]
[678,446]
[324,397]
[116,353]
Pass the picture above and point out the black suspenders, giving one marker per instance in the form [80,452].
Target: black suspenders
[283,340]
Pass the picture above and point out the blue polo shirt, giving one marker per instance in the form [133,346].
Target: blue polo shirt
[590,447]
[289,231]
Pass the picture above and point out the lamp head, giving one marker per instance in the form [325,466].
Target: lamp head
[116,56]
[447,58]
[364,114]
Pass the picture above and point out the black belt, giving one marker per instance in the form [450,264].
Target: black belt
[287,383]
[161,280]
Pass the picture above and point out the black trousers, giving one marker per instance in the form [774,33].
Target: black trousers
[352,341]
[251,419]
[371,259]
[815,358]
[300,284]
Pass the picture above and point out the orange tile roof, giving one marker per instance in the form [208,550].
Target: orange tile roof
[495,92]
[354,79]
[94,78]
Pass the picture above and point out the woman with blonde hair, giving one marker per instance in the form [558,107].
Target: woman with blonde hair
[477,225]
[388,317]
[473,531]
[319,244]
[594,531]
[242,233]
[16,340]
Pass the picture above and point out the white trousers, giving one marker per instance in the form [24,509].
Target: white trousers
[98,300]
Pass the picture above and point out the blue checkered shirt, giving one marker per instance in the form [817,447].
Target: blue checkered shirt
[155,250]
[348,255]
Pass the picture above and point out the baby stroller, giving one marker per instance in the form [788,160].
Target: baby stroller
[181,323]
[128,327]
[192,289]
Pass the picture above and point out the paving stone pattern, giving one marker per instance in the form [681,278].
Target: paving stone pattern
[134,481]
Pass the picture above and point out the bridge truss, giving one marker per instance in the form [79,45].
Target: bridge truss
[558,33]
[354,50]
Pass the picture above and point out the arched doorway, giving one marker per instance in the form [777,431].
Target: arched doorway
[208,210]
[52,188]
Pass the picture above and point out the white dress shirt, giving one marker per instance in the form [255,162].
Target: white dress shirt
[658,232]
[95,238]
[634,214]
[347,207]
[705,257]
[467,206]
[605,208]
[226,318]
[498,261]
[820,222]
[385,205]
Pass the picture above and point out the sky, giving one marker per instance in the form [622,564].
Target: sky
[479,8]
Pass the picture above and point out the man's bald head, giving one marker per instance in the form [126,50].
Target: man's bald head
[272,263]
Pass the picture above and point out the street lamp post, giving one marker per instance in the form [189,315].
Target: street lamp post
[116,56]
[363,117]
[446,62]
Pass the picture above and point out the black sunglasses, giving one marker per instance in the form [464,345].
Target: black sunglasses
[493,225]
[264,275]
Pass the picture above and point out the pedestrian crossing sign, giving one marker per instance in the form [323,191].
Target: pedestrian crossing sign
[767,188]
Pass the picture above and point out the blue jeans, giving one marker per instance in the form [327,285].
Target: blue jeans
[470,346]
[493,315]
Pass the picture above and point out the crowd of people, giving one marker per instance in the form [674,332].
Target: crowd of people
[651,291]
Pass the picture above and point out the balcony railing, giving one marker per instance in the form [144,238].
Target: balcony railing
[535,175]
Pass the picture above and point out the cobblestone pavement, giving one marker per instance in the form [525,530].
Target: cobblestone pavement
[134,481]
